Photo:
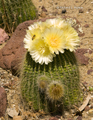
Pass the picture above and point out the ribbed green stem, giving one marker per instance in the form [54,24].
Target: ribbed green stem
[63,70]
[14,12]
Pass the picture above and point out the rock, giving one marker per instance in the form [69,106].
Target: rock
[79,118]
[12,112]
[86,25]
[63,11]
[81,11]
[3,36]
[70,119]
[87,108]
[13,52]
[3,101]
[53,118]
[80,56]
[89,71]
[55,13]
[43,14]
[44,9]
[90,112]
[17,118]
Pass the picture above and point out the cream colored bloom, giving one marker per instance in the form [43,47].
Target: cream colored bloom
[28,40]
[57,22]
[40,52]
[44,39]
[55,39]
[40,26]
[72,39]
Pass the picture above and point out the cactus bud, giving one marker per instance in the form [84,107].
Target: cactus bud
[42,82]
[55,90]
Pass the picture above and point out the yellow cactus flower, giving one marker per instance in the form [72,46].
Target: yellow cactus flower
[72,39]
[40,52]
[55,39]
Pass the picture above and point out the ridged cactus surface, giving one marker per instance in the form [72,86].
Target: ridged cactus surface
[13,12]
[51,87]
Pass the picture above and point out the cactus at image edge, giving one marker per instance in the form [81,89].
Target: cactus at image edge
[14,12]
[51,87]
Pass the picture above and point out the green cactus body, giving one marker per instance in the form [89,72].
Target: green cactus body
[62,72]
[13,12]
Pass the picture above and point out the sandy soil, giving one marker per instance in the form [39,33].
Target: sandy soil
[83,11]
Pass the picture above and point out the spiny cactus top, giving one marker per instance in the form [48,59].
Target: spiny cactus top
[50,76]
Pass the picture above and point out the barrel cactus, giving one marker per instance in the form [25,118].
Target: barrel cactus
[13,12]
[49,74]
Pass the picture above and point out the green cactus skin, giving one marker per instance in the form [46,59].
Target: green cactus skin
[13,12]
[63,69]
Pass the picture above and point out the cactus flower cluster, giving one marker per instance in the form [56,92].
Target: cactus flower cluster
[46,39]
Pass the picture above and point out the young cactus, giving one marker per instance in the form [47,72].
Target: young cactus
[50,76]
[13,12]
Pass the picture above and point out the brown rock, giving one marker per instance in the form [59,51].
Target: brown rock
[44,9]
[70,119]
[79,118]
[12,53]
[53,118]
[81,11]
[89,71]
[80,56]
[63,11]
[3,101]
[3,36]
[86,25]
[87,108]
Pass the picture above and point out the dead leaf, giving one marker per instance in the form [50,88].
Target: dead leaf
[85,103]
[82,107]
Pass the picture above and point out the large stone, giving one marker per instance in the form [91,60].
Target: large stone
[3,36]
[11,55]
[81,58]
[3,101]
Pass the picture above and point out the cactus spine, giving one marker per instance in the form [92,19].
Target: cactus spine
[13,12]
[62,76]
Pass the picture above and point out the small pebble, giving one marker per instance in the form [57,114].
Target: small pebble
[63,11]
[87,108]
[90,112]
[86,25]
[53,118]
[81,11]
[89,71]
[44,9]
[79,118]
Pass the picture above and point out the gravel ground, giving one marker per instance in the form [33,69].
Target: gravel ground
[83,11]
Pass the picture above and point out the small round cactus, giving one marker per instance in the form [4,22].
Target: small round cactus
[55,91]
[42,82]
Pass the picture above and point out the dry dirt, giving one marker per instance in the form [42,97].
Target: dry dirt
[83,11]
